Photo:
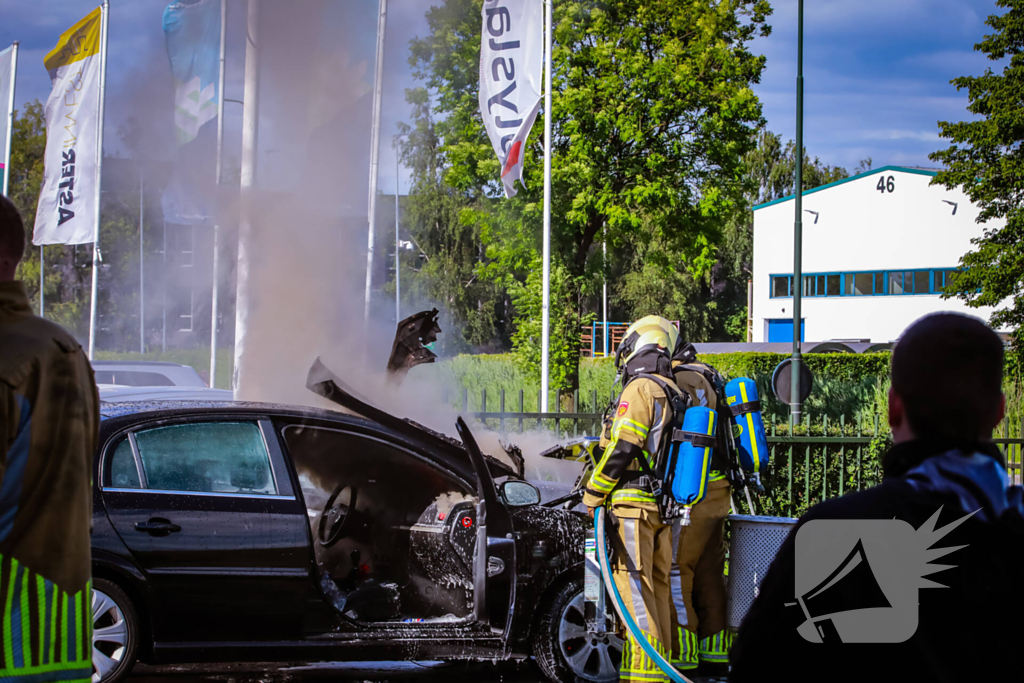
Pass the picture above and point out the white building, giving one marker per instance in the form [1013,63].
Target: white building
[877,249]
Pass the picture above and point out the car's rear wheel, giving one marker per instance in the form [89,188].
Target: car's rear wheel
[564,650]
[115,632]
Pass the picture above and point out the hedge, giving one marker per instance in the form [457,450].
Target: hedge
[848,377]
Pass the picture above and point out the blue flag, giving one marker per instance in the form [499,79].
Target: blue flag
[193,46]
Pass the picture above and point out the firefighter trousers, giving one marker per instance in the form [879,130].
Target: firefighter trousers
[699,625]
[643,559]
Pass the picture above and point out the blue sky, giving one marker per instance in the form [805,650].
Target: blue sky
[876,75]
[876,71]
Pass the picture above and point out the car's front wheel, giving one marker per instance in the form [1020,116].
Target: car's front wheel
[564,650]
[115,632]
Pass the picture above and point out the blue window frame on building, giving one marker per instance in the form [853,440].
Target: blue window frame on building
[865,283]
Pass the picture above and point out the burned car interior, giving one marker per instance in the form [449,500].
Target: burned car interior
[394,533]
[388,527]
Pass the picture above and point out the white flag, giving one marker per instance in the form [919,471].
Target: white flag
[511,61]
[66,213]
[6,83]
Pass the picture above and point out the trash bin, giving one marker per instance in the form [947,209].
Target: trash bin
[754,542]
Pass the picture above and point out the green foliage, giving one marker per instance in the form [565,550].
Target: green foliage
[67,269]
[473,375]
[655,286]
[565,324]
[652,111]
[450,244]
[801,475]
[772,168]
[844,383]
[28,147]
[713,307]
[985,160]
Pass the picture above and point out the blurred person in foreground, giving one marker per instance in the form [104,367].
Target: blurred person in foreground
[945,401]
[49,425]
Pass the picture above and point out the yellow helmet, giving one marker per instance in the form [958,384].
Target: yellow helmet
[652,333]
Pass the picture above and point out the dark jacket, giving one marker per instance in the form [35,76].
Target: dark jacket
[49,425]
[970,629]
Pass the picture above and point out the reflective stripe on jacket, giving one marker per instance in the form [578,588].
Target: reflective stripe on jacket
[641,417]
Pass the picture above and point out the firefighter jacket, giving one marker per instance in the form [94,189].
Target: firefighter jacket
[49,426]
[643,414]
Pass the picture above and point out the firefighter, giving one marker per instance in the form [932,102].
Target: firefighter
[699,627]
[49,426]
[643,555]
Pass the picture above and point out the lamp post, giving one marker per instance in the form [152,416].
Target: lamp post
[795,397]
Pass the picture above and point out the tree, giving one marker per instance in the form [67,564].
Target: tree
[446,274]
[66,275]
[652,112]
[986,159]
[68,268]
[713,307]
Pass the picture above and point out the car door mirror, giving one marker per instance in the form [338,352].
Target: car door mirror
[519,494]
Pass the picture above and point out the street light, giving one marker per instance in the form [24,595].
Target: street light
[795,394]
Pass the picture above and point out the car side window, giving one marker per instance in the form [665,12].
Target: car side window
[123,473]
[207,457]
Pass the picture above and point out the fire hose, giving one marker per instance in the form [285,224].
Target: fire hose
[620,607]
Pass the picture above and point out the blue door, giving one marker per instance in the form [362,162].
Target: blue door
[782,330]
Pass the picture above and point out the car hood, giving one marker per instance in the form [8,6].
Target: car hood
[323,382]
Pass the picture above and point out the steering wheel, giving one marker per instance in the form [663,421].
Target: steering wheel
[331,527]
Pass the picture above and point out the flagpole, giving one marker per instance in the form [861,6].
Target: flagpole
[250,142]
[214,295]
[163,295]
[398,260]
[142,270]
[99,179]
[604,269]
[10,117]
[546,306]
[378,90]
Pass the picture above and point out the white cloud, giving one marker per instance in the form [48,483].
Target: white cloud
[891,134]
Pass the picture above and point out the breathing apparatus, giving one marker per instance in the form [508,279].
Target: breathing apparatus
[741,433]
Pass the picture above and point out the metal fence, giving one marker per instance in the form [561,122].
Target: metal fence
[818,459]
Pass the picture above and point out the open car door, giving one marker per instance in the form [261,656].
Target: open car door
[494,566]
[494,561]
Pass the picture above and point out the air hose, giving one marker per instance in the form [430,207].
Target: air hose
[620,607]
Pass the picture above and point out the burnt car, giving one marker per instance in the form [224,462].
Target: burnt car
[244,532]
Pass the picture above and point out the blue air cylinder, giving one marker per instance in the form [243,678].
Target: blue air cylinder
[691,463]
[745,407]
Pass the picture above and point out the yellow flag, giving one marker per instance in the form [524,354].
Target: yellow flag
[66,212]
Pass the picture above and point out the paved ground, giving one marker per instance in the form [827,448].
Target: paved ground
[360,672]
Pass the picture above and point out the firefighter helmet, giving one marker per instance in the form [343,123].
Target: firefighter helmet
[652,334]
